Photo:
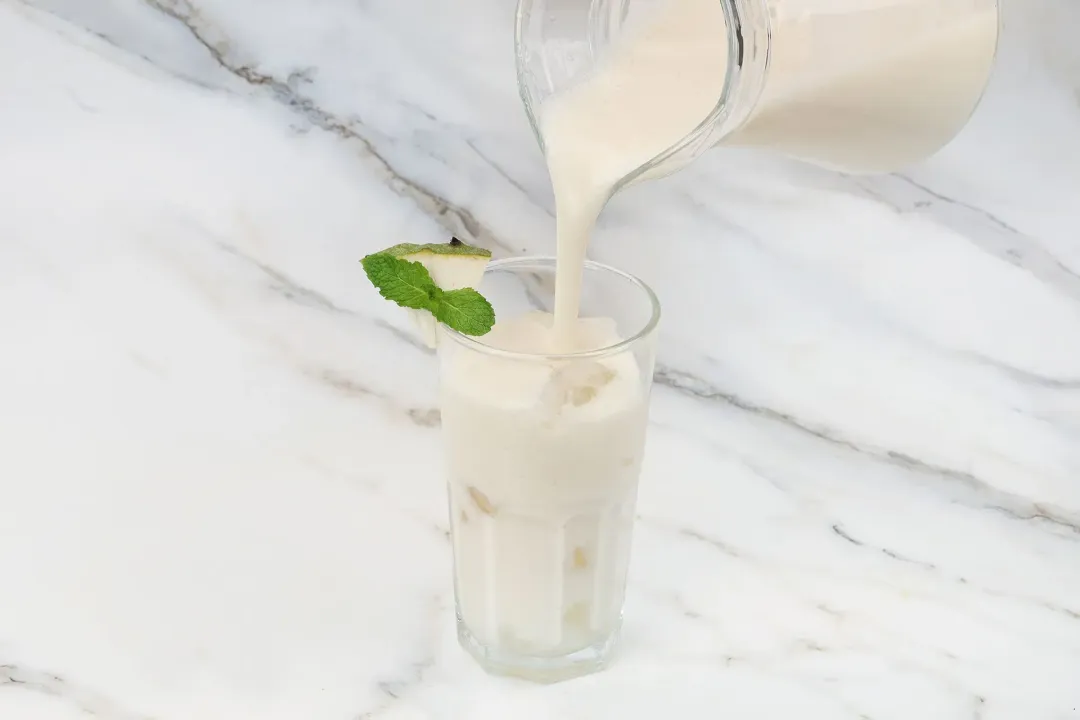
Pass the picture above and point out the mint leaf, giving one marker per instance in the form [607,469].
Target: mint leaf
[465,310]
[409,284]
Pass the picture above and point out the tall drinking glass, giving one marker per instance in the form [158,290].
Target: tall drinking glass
[543,455]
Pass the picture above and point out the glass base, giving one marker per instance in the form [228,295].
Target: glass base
[588,660]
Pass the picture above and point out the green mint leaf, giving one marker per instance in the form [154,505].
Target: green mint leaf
[465,310]
[409,284]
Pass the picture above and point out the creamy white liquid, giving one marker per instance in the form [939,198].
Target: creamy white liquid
[542,505]
[646,96]
[544,456]
[871,86]
[867,84]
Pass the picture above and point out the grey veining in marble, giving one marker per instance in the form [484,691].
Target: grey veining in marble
[220,480]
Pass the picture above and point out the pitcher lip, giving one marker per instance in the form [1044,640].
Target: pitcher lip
[735,14]
[477,344]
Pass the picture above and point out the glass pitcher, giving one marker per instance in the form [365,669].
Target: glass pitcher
[854,85]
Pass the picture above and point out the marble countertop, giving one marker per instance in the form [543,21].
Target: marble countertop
[220,480]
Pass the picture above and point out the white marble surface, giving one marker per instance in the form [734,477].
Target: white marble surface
[220,490]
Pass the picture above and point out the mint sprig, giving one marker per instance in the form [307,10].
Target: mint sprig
[410,285]
[465,310]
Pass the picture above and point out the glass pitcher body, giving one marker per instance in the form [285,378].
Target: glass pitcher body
[856,85]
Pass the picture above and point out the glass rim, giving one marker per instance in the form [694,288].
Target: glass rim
[475,343]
